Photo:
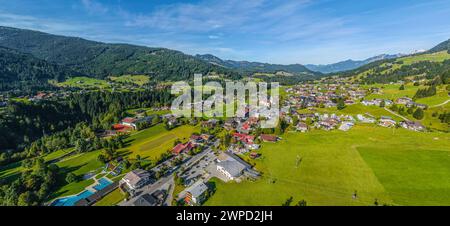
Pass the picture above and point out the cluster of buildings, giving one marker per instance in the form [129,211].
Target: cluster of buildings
[311,95]
[408,102]
[376,102]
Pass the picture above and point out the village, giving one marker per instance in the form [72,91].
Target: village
[182,179]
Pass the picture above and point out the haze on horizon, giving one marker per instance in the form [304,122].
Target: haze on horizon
[273,31]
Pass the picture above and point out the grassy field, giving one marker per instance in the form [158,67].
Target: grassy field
[57,154]
[393,92]
[111,199]
[80,165]
[149,111]
[432,57]
[84,82]
[153,142]
[13,170]
[354,110]
[368,159]
[139,80]
[440,97]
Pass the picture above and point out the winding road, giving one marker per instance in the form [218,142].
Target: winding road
[446,102]
[395,113]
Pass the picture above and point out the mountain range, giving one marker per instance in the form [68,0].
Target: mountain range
[349,64]
[252,67]
[96,59]
[27,55]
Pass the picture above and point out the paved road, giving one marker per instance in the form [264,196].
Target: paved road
[395,113]
[446,102]
[164,181]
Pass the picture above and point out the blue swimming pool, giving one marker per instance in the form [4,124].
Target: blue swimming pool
[102,183]
[71,200]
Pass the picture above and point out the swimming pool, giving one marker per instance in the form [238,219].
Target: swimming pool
[71,200]
[102,183]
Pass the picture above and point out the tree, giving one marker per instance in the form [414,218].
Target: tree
[340,104]
[418,114]
[402,87]
[288,201]
[383,104]
[302,203]
[71,178]
[101,158]
[24,199]
[155,120]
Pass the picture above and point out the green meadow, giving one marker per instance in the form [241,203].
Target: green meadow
[111,199]
[84,82]
[153,142]
[139,80]
[394,166]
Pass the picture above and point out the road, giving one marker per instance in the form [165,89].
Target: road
[165,181]
[446,102]
[395,113]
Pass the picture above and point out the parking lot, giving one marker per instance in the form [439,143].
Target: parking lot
[198,171]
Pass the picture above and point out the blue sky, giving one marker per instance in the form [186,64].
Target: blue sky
[275,31]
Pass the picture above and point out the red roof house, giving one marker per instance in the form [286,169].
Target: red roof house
[268,138]
[248,139]
[183,148]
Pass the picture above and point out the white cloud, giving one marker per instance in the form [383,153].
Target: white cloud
[94,7]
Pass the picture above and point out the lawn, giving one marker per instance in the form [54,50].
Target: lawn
[111,199]
[411,177]
[57,154]
[11,171]
[139,80]
[440,97]
[153,142]
[336,164]
[432,57]
[354,110]
[80,165]
[393,92]
[84,82]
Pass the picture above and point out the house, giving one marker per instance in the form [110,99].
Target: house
[349,102]
[302,127]
[230,124]
[196,194]
[329,123]
[415,126]
[210,123]
[403,100]
[136,179]
[386,121]
[130,122]
[367,102]
[146,200]
[244,138]
[304,117]
[244,128]
[179,148]
[414,104]
[119,128]
[269,138]
[231,166]
[196,139]
[365,119]
[346,126]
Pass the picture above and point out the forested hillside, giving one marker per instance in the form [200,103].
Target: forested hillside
[255,67]
[99,60]
[23,71]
